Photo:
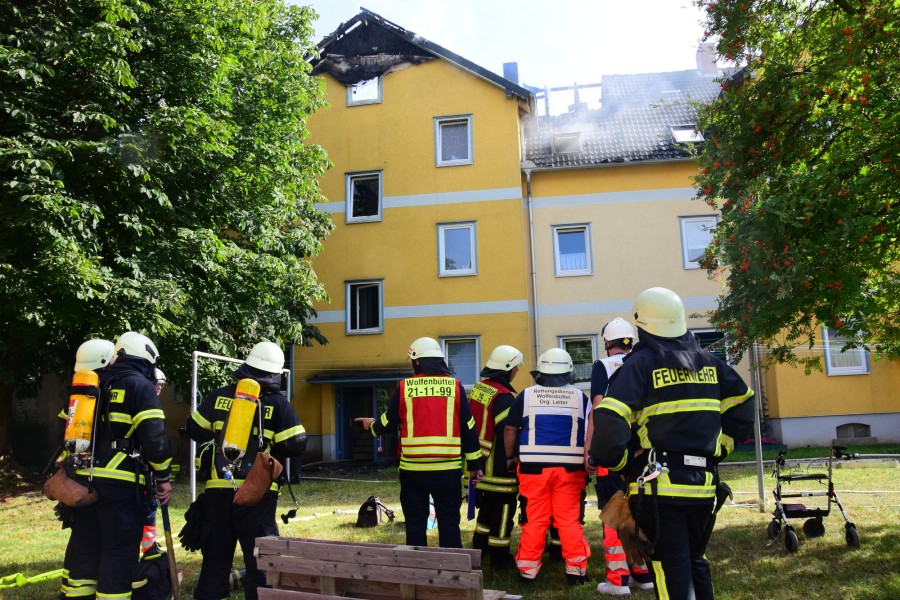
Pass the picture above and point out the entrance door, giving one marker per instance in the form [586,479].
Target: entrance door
[354,442]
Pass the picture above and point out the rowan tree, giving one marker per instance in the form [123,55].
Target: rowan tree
[154,177]
[802,158]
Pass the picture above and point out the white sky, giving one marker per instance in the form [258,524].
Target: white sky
[555,42]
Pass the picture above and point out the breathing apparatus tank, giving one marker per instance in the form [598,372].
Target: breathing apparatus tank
[81,412]
[240,420]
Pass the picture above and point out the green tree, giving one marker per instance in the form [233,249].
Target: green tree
[801,158]
[154,177]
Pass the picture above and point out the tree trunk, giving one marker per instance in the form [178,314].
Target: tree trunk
[6,396]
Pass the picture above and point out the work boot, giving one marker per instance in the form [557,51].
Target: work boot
[611,589]
[573,580]
[641,582]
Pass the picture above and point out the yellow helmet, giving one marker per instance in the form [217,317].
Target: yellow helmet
[660,311]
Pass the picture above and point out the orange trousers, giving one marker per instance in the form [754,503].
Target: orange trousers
[558,494]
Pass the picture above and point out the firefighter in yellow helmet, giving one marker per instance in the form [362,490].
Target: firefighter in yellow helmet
[437,432]
[498,490]
[131,442]
[226,523]
[689,407]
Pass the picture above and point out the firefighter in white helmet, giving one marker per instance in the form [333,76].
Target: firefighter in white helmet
[619,338]
[692,408]
[544,437]
[437,433]
[227,523]
[498,490]
[131,443]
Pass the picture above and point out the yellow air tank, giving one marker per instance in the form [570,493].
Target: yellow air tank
[80,421]
[240,419]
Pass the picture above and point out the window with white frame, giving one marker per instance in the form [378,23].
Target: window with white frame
[567,143]
[456,249]
[583,350]
[364,92]
[363,197]
[712,341]
[696,234]
[572,249]
[686,134]
[365,305]
[453,140]
[463,358]
[852,361]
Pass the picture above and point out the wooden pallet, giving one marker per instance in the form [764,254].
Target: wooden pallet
[305,569]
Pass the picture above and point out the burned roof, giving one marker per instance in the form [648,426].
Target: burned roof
[368,46]
[633,122]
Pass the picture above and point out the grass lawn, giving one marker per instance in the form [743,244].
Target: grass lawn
[745,565]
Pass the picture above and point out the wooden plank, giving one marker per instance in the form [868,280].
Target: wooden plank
[426,576]
[280,545]
[270,594]
[401,556]
[327,586]
[493,594]
[407,591]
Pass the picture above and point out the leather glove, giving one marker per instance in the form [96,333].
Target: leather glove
[607,486]
[617,515]
[264,471]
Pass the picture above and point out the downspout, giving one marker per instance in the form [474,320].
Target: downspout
[534,287]
[756,379]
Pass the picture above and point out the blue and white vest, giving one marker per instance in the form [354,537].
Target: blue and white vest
[552,426]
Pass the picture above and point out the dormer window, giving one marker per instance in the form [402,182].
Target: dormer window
[686,134]
[567,143]
[364,92]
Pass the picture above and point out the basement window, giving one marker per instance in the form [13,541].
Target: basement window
[853,430]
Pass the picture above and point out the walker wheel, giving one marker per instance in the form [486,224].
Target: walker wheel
[814,527]
[791,543]
[773,529]
[852,537]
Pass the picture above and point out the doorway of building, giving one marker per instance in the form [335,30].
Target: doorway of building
[354,442]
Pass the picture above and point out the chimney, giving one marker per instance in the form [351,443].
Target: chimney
[706,59]
[511,72]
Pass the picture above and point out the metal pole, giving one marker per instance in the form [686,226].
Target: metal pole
[757,427]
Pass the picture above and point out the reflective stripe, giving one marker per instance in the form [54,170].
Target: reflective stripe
[384,421]
[504,518]
[620,408]
[659,578]
[153,413]
[201,421]
[498,542]
[728,442]
[125,595]
[678,406]
[411,465]
[479,528]
[288,433]
[665,487]
[503,489]
[622,462]
[473,455]
[160,466]
[225,484]
[731,402]
[117,417]
[501,416]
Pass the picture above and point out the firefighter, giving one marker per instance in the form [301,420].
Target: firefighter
[544,436]
[498,490]
[437,432]
[688,408]
[130,442]
[619,338]
[225,522]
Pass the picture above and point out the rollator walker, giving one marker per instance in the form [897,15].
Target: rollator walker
[812,526]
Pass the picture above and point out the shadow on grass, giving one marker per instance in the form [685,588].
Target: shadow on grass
[746,565]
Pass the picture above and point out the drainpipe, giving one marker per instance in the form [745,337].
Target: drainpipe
[534,288]
[756,378]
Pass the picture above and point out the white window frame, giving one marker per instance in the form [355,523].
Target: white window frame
[348,209]
[686,134]
[376,100]
[349,287]
[473,247]
[593,338]
[439,123]
[561,141]
[685,258]
[476,339]
[716,331]
[589,260]
[833,344]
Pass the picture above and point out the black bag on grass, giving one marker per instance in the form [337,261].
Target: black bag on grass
[373,513]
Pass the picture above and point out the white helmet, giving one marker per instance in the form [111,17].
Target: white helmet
[160,376]
[138,345]
[660,311]
[423,348]
[94,354]
[266,356]
[618,329]
[554,362]
[504,358]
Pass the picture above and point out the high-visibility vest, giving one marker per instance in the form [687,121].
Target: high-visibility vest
[612,364]
[429,423]
[481,402]
[552,426]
